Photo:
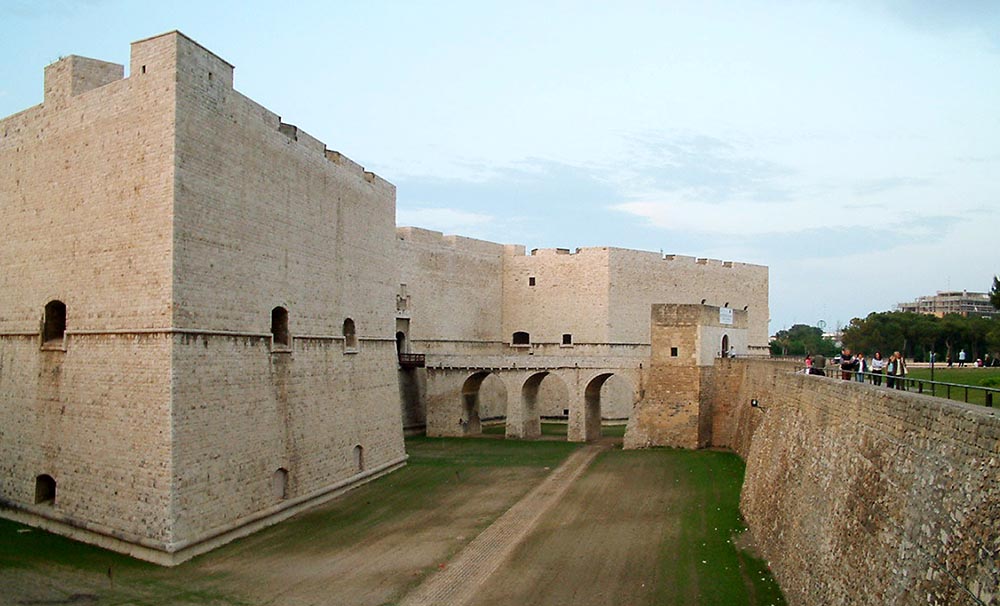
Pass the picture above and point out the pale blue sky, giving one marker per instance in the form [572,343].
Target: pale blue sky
[852,146]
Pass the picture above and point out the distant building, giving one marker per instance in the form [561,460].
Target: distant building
[952,302]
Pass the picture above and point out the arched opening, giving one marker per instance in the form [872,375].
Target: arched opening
[400,342]
[279,327]
[520,338]
[45,490]
[350,336]
[54,325]
[279,483]
[725,346]
[528,424]
[483,397]
[592,407]
[552,401]
[359,457]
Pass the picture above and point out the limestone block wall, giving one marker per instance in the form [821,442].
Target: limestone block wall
[640,279]
[266,217]
[862,495]
[685,343]
[569,295]
[96,419]
[242,413]
[454,287]
[86,186]
[86,190]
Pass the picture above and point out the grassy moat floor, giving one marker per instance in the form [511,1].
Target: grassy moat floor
[638,527]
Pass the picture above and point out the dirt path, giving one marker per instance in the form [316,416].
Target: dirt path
[473,566]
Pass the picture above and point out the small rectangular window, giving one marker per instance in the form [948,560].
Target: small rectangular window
[567,339]
[531,281]
[673,352]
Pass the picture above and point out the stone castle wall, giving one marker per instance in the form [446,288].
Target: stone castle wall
[172,214]
[857,494]
[641,279]
[569,296]
[453,287]
[86,190]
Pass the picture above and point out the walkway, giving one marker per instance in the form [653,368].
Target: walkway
[472,566]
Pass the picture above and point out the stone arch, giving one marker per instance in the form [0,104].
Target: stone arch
[520,338]
[470,416]
[592,406]
[529,421]
[618,398]
[725,346]
[400,342]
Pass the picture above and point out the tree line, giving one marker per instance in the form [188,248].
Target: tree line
[914,335]
[917,335]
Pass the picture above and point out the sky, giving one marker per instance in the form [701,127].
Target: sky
[853,147]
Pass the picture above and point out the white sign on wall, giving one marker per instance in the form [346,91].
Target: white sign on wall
[725,315]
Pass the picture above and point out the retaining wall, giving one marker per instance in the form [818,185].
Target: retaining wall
[857,494]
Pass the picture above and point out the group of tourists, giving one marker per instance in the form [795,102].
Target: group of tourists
[860,368]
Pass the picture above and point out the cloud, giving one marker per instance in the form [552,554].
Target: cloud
[441,219]
[706,168]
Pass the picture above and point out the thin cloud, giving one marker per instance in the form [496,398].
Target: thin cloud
[441,219]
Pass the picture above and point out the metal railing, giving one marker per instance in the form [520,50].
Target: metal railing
[990,394]
[411,360]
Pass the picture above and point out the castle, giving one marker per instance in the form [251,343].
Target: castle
[210,321]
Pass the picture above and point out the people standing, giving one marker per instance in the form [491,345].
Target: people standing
[877,366]
[846,364]
[900,371]
[818,365]
[890,372]
[809,363]
[961,358]
[860,368]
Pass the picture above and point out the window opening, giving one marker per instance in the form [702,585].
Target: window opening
[673,352]
[567,339]
[279,327]
[359,457]
[54,326]
[45,490]
[520,338]
[531,281]
[350,336]
[279,483]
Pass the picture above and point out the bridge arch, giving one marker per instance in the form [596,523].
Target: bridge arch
[476,407]
[588,426]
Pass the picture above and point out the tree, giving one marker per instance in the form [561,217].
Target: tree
[995,292]
[800,340]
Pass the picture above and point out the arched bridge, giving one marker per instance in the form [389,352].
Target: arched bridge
[454,393]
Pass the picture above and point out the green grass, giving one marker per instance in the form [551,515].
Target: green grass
[707,519]
[983,377]
[436,467]
[704,565]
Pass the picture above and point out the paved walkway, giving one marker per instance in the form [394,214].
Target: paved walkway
[468,570]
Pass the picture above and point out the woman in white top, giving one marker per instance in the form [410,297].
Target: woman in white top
[877,366]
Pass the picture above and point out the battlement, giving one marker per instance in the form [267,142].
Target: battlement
[74,75]
[681,259]
[430,237]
